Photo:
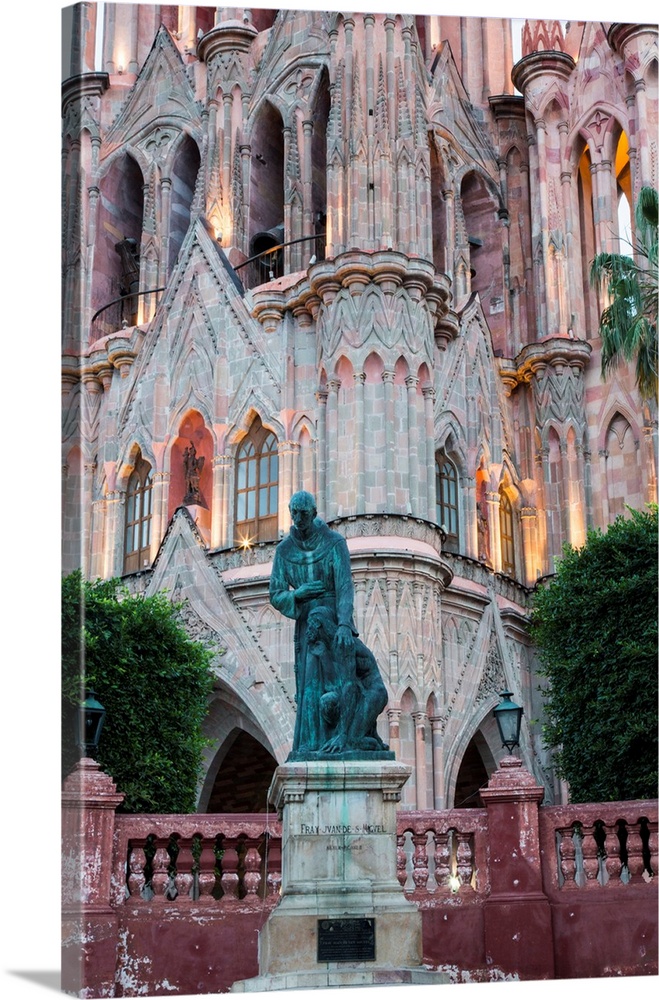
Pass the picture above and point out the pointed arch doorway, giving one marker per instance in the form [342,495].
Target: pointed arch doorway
[243,778]
[476,767]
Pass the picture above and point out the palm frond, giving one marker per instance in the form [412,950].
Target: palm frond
[628,324]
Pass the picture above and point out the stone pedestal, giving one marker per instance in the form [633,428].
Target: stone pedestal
[339,866]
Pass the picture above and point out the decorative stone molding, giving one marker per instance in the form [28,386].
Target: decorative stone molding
[620,34]
[199,630]
[225,39]
[554,367]
[540,67]
[84,85]
[381,525]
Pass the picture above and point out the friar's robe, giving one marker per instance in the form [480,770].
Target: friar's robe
[324,556]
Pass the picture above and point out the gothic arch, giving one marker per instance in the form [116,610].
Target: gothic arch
[580,132]
[617,407]
[139,445]
[116,263]
[267,176]
[623,477]
[449,437]
[482,727]
[192,429]
[183,169]
[228,718]
[191,403]
[256,405]
[475,168]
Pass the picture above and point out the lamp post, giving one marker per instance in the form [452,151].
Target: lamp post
[88,723]
[509,720]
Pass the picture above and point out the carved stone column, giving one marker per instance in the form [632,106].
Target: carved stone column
[321,500]
[437,762]
[165,216]
[360,442]
[160,494]
[220,517]
[414,445]
[392,608]
[390,438]
[393,718]
[332,446]
[420,720]
[493,501]
[113,562]
[428,467]
[528,517]
[288,461]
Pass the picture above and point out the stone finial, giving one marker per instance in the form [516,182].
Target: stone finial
[512,781]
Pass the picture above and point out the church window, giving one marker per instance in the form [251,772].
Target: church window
[137,547]
[506,531]
[446,479]
[257,486]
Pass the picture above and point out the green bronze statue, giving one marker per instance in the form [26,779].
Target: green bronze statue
[339,690]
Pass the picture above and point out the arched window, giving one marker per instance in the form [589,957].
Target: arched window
[446,480]
[257,486]
[137,539]
[507,534]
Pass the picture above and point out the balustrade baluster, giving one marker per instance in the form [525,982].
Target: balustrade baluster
[420,860]
[230,879]
[464,859]
[207,864]
[431,884]
[635,862]
[567,854]
[401,859]
[590,858]
[184,863]
[252,877]
[652,846]
[160,877]
[136,877]
[612,861]
[272,865]
[442,860]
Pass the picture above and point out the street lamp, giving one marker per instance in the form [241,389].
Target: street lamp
[509,721]
[88,723]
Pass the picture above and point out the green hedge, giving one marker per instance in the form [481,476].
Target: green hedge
[154,682]
[595,626]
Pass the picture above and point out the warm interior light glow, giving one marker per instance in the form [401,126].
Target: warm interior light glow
[454,883]
[245,542]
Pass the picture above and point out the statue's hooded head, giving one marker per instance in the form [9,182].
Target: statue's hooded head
[302,501]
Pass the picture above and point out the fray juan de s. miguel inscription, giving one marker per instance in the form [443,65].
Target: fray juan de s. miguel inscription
[308,829]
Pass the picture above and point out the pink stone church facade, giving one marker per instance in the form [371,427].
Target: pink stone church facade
[419,349]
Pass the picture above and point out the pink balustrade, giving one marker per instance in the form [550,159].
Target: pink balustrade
[175,903]
[599,846]
[200,860]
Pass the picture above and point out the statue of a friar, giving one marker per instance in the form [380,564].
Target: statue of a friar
[339,690]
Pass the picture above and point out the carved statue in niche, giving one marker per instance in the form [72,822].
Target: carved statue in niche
[339,690]
[192,467]
[129,254]
[483,530]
